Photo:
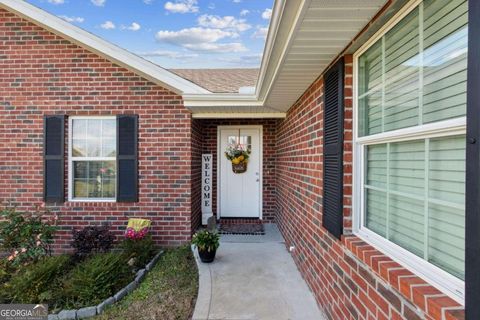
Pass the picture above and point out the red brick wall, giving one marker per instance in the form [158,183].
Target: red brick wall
[41,73]
[350,279]
[209,133]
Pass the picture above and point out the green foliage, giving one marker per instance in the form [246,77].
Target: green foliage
[141,250]
[95,279]
[38,282]
[206,240]
[167,292]
[26,236]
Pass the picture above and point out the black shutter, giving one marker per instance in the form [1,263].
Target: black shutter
[127,161]
[472,245]
[53,158]
[333,150]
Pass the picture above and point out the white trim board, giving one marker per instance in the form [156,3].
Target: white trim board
[104,48]
[239,115]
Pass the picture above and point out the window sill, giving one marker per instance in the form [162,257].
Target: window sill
[94,202]
[429,299]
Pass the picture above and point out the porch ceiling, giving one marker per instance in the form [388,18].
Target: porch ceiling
[304,37]
[323,29]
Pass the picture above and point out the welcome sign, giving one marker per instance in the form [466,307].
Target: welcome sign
[207,160]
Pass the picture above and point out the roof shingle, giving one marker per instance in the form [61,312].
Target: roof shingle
[220,80]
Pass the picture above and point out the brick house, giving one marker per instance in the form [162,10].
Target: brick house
[363,144]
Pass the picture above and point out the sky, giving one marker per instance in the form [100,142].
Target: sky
[175,33]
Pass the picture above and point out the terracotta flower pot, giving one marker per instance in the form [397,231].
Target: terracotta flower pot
[207,256]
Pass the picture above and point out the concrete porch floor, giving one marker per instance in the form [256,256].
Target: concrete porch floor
[253,277]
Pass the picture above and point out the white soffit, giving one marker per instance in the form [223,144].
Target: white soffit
[104,48]
[323,29]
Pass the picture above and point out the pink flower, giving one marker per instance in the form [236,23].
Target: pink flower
[103,170]
[38,243]
[10,258]
[24,250]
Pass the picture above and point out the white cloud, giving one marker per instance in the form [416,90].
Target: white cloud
[133,27]
[194,35]
[182,6]
[260,33]
[202,39]
[169,54]
[108,25]
[267,14]
[217,47]
[244,12]
[56,1]
[236,1]
[72,19]
[226,22]
[99,3]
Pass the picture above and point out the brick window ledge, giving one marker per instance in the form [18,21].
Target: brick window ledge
[435,304]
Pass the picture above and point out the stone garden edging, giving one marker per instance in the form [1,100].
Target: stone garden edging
[92,311]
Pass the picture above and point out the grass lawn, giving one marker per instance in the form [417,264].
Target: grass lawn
[169,291]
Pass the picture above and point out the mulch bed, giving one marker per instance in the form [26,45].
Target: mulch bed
[242,228]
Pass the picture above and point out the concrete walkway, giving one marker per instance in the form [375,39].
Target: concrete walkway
[253,277]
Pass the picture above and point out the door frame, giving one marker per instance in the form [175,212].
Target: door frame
[220,154]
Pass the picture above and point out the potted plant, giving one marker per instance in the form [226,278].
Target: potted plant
[238,155]
[207,243]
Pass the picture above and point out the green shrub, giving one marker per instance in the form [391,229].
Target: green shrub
[141,250]
[38,282]
[95,279]
[26,236]
[206,240]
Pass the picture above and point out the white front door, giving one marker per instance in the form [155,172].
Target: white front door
[240,193]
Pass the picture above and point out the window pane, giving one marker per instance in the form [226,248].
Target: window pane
[446,239]
[406,223]
[377,166]
[447,223]
[376,208]
[244,141]
[79,147]
[80,170]
[371,113]
[109,128]
[445,59]
[415,197]
[407,167]
[79,129]
[401,76]
[80,188]
[416,73]
[447,169]
[370,68]
[109,148]
[94,179]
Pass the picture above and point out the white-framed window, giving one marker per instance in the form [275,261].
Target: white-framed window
[409,141]
[92,158]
